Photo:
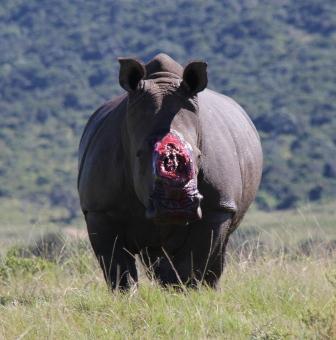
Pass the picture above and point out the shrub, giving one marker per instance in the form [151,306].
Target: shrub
[13,264]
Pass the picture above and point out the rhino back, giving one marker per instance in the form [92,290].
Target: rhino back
[231,153]
[101,159]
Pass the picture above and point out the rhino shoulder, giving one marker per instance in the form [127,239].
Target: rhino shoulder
[99,179]
[231,150]
[95,122]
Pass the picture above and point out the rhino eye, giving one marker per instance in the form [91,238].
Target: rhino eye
[139,153]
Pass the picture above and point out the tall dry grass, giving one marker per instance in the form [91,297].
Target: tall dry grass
[271,289]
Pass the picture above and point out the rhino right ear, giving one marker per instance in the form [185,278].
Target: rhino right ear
[130,74]
[195,76]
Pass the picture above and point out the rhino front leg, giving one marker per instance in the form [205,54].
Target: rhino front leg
[107,240]
[218,226]
[202,257]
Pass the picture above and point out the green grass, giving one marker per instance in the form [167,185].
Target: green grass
[21,222]
[317,220]
[280,292]
[270,298]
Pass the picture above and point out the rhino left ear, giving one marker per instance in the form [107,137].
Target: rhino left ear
[130,74]
[195,76]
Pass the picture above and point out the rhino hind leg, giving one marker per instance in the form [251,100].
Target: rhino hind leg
[200,261]
[117,263]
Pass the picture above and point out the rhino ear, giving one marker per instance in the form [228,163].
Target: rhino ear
[130,74]
[195,76]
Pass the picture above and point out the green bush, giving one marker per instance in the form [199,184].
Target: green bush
[15,265]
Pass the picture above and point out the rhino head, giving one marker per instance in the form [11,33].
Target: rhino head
[162,136]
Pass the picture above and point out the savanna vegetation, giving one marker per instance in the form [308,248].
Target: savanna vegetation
[279,283]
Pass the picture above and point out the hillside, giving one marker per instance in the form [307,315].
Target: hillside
[58,63]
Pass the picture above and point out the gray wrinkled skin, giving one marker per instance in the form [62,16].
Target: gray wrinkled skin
[116,177]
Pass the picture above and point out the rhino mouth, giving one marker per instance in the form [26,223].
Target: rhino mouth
[176,205]
[175,197]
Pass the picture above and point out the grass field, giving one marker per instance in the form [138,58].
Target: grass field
[279,283]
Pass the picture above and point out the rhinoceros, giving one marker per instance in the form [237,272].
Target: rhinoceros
[167,171]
